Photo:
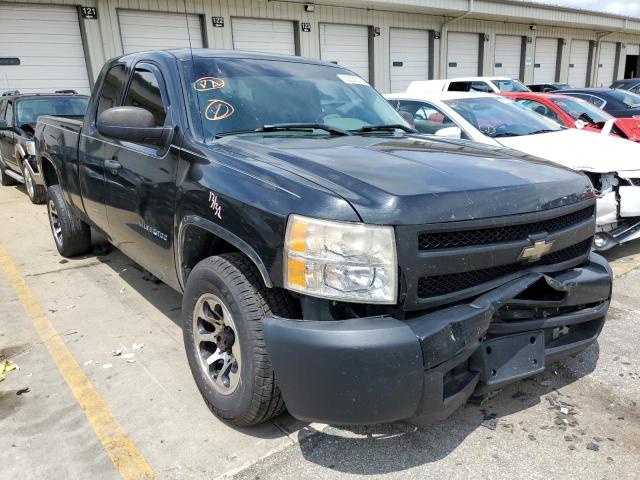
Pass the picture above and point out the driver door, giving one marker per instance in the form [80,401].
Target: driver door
[141,182]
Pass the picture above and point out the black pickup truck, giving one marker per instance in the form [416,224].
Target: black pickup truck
[330,258]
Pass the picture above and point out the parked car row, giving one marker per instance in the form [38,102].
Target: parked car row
[333,258]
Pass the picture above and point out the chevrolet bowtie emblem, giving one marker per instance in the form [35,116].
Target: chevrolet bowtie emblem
[536,251]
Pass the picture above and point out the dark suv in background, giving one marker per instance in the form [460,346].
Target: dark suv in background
[18,116]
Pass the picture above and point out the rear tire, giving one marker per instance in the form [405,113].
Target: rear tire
[37,193]
[71,235]
[224,302]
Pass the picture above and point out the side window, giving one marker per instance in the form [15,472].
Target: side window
[480,87]
[8,115]
[112,88]
[598,102]
[635,89]
[144,92]
[540,108]
[427,118]
[459,86]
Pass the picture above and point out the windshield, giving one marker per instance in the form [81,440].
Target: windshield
[30,109]
[500,117]
[631,100]
[510,86]
[240,95]
[576,107]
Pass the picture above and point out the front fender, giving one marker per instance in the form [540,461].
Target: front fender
[227,236]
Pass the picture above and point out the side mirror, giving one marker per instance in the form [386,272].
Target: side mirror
[450,132]
[132,124]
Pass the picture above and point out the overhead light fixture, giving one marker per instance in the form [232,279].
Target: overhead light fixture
[309,7]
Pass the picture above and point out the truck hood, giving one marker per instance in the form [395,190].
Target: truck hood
[417,180]
[579,150]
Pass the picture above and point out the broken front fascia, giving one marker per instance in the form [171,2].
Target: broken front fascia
[618,209]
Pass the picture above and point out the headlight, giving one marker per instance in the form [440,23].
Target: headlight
[30,148]
[351,262]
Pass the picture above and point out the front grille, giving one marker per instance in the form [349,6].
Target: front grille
[444,284]
[510,233]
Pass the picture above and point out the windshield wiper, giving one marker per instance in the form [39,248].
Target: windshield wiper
[283,127]
[547,130]
[302,126]
[384,128]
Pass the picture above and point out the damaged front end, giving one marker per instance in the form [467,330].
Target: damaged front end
[425,366]
[618,208]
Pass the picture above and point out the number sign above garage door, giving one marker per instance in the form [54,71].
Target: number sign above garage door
[47,44]
[142,30]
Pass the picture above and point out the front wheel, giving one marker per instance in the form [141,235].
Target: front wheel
[223,307]
[37,193]
[71,235]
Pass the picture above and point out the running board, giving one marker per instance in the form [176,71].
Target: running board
[14,175]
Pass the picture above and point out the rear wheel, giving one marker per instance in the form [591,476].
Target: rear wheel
[37,193]
[71,235]
[223,307]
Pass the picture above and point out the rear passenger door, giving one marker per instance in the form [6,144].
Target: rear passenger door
[7,136]
[141,182]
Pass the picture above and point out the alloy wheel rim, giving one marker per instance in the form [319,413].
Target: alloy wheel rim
[216,343]
[54,219]
[29,181]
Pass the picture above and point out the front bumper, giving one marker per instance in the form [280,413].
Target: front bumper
[381,369]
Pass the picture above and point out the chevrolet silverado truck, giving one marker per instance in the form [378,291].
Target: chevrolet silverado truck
[18,115]
[331,259]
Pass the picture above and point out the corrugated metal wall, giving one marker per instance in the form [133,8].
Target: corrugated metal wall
[103,35]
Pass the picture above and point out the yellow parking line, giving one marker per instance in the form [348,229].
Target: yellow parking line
[123,453]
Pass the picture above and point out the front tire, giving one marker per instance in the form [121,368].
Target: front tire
[223,307]
[37,193]
[71,235]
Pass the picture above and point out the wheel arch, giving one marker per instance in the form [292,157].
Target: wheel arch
[49,171]
[199,238]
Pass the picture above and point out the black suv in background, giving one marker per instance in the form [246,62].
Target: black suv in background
[18,116]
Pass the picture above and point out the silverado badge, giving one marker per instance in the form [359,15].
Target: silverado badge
[536,251]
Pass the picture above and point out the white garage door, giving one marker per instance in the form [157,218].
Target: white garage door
[409,57]
[606,64]
[48,43]
[346,45]
[270,36]
[578,63]
[142,30]
[544,69]
[463,50]
[508,54]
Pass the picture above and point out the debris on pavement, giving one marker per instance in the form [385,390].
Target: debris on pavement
[116,352]
[490,421]
[593,446]
[137,346]
[87,363]
[107,365]
[6,366]
[127,356]
[23,391]
[122,290]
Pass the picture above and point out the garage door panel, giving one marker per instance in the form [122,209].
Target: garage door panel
[463,51]
[346,45]
[546,54]
[48,42]
[578,63]
[409,50]
[260,35]
[508,54]
[606,64]
[143,30]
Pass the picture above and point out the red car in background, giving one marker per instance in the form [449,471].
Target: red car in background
[576,113]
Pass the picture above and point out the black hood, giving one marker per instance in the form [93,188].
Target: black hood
[416,180]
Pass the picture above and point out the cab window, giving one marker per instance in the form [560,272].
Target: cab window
[145,92]
[540,109]
[480,87]
[112,88]
[6,112]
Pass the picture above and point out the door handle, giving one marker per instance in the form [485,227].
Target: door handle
[113,165]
